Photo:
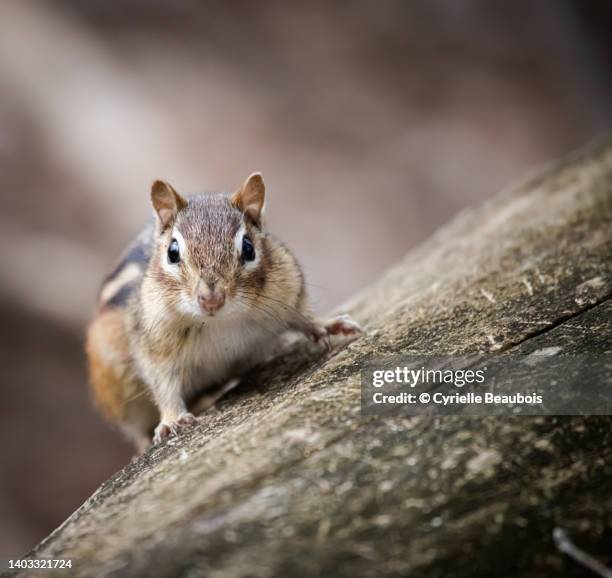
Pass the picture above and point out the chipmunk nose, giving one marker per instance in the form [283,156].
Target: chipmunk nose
[211,301]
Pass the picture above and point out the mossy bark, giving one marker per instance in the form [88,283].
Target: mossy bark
[286,477]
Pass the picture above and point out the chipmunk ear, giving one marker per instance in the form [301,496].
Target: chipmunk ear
[250,197]
[166,202]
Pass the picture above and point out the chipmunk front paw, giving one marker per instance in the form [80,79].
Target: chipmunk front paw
[164,430]
[343,325]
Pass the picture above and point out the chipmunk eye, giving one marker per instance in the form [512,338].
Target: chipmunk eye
[248,249]
[174,255]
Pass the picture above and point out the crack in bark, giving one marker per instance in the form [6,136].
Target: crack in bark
[553,325]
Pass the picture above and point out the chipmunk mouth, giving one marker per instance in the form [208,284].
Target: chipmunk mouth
[214,312]
[201,309]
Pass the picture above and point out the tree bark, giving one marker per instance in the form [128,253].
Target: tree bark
[286,477]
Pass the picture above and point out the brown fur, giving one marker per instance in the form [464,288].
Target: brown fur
[118,392]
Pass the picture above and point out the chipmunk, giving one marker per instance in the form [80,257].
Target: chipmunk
[200,296]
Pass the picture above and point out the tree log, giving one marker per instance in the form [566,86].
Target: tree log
[286,477]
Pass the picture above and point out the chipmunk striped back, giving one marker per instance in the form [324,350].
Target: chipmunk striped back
[126,277]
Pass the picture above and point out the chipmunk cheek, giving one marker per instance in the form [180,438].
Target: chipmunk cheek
[257,278]
[230,288]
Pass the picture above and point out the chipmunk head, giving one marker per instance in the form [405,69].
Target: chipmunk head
[210,257]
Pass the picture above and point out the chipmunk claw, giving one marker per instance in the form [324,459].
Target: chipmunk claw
[164,431]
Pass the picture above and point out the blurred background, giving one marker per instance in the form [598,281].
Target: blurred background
[373,123]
